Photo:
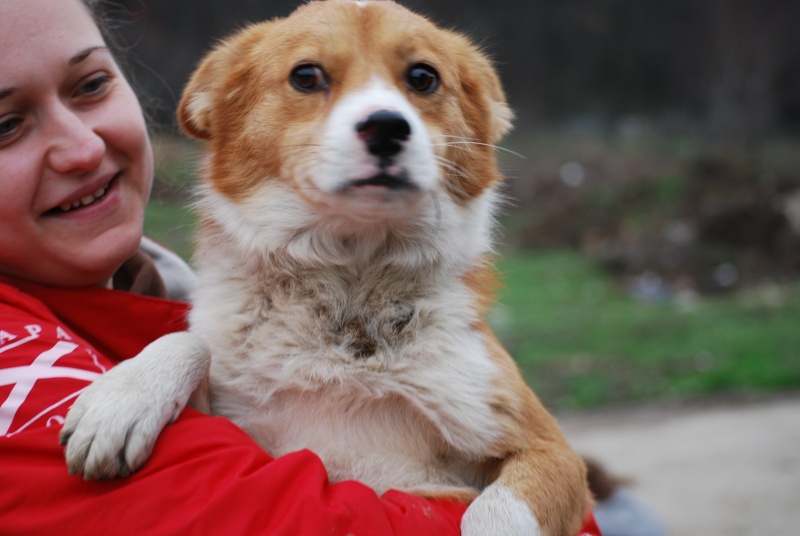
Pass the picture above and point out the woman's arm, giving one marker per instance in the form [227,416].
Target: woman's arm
[205,476]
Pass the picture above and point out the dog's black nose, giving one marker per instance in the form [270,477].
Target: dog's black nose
[383,131]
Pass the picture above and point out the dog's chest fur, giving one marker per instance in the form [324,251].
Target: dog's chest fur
[377,368]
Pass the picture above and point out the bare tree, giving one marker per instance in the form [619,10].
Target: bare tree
[749,49]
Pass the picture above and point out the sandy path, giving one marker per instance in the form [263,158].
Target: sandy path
[720,470]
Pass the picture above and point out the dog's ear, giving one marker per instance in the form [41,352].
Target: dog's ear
[194,109]
[501,115]
[195,104]
[484,94]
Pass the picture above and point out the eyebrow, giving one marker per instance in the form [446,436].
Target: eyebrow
[6,91]
[83,54]
[74,60]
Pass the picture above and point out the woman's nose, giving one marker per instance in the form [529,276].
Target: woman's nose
[75,146]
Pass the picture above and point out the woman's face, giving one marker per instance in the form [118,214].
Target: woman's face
[76,163]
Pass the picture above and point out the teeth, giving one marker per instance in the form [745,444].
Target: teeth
[86,200]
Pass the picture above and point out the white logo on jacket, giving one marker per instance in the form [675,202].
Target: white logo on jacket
[43,366]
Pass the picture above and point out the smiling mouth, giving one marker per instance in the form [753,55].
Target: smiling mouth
[88,200]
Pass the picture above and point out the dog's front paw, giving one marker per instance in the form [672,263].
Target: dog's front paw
[498,512]
[111,429]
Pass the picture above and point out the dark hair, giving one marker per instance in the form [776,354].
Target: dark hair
[109,17]
[100,16]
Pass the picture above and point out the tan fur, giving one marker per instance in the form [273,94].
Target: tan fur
[540,452]
[357,289]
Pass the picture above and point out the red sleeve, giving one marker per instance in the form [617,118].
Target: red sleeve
[206,476]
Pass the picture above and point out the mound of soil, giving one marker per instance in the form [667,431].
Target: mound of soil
[709,224]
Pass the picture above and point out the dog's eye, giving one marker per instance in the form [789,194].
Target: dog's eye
[423,78]
[308,78]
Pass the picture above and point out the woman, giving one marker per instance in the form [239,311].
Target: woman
[78,294]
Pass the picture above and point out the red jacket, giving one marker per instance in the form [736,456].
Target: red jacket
[205,476]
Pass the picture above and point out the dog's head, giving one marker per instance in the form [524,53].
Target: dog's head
[361,108]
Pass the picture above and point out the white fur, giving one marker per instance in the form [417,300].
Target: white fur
[114,423]
[498,512]
[275,219]
[345,156]
[279,378]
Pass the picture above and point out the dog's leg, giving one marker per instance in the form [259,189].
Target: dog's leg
[112,427]
[540,492]
[498,511]
[540,486]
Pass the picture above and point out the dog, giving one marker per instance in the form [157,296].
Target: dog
[344,268]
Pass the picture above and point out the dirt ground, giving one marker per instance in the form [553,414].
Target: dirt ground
[723,468]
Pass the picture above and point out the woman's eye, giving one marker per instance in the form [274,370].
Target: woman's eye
[8,127]
[423,78]
[308,78]
[94,86]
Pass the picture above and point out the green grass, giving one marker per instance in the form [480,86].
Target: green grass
[172,224]
[582,342]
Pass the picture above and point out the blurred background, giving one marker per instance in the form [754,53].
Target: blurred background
[652,237]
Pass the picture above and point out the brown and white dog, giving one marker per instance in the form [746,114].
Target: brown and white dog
[344,272]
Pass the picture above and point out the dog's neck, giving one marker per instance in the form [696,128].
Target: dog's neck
[366,291]
[280,233]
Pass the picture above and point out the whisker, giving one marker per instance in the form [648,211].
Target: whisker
[470,142]
[450,166]
[454,170]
